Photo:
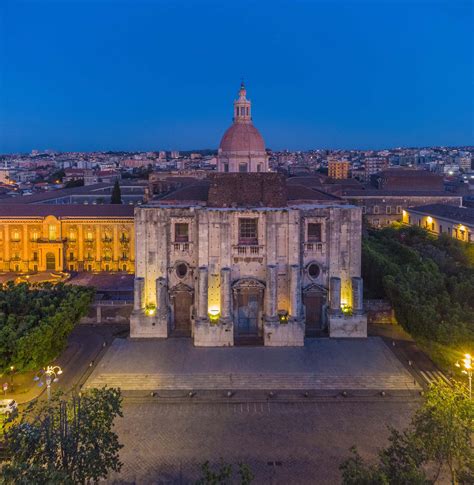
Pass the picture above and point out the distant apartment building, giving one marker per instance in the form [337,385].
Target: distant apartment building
[338,169]
[374,165]
[457,222]
[174,154]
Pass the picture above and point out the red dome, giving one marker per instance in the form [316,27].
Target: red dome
[242,137]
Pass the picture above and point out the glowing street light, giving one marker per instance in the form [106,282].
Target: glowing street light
[50,375]
[467,369]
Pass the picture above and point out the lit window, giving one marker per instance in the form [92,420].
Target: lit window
[52,232]
[89,235]
[181,232]
[248,231]
[15,235]
[34,235]
[72,235]
[314,232]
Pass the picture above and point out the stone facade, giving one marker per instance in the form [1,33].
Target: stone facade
[222,275]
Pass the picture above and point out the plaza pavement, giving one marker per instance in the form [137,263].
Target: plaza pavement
[283,443]
[322,364]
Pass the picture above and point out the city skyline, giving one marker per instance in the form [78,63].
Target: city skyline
[353,76]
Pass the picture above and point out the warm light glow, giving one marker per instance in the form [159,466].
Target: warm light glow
[150,310]
[462,228]
[429,219]
[214,314]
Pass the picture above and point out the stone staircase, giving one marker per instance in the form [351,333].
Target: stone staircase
[222,381]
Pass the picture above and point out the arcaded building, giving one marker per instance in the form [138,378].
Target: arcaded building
[66,237]
[245,257]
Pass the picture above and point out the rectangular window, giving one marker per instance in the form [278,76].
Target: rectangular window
[181,232]
[432,226]
[226,167]
[35,256]
[243,167]
[71,256]
[248,231]
[399,209]
[376,209]
[388,209]
[52,232]
[259,167]
[314,232]
[364,209]
[441,229]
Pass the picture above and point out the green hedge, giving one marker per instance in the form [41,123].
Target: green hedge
[429,281]
[35,322]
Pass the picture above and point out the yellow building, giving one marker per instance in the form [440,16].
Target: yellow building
[338,169]
[457,222]
[66,238]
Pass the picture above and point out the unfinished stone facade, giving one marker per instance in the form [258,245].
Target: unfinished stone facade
[224,275]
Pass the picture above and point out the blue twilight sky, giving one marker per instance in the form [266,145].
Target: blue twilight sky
[152,74]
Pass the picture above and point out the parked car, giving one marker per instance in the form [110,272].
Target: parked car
[8,406]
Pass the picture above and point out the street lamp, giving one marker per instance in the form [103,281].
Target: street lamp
[467,369]
[50,375]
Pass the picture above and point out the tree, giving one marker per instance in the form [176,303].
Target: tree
[224,474]
[35,322]
[65,441]
[437,443]
[116,197]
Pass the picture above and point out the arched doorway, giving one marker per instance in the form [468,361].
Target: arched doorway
[181,303]
[248,304]
[314,300]
[50,261]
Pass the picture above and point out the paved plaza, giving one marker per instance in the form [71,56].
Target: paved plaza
[284,443]
[326,364]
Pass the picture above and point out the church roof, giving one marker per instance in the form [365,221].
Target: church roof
[242,137]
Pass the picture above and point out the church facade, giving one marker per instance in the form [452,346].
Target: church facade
[245,258]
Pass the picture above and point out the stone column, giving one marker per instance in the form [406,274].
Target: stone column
[335,295]
[139,294]
[161,297]
[295,291]
[226,296]
[357,295]
[271,301]
[203,291]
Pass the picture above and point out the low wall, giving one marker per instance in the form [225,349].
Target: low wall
[380,311]
[99,313]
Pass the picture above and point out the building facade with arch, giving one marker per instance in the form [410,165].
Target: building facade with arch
[36,238]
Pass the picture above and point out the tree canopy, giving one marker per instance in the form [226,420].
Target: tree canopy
[436,445]
[35,322]
[428,280]
[65,441]
[116,197]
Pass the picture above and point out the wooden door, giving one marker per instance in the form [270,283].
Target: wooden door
[248,311]
[182,312]
[313,302]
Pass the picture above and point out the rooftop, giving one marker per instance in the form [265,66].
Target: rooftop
[463,215]
[11,211]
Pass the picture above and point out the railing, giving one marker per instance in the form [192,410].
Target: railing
[311,247]
[244,249]
[182,247]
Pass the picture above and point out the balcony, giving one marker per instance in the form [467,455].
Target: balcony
[107,239]
[247,249]
[313,247]
[182,247]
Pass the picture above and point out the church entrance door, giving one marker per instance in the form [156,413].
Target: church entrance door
[314,301]
[182,301]
[248,304]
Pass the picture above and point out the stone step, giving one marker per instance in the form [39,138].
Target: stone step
[250,381]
